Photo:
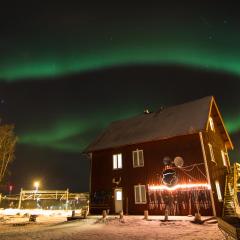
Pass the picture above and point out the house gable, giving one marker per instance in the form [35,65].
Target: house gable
[215,114]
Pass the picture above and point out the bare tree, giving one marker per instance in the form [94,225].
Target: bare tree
[8,141]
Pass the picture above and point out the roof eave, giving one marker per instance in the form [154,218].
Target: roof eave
[143,142]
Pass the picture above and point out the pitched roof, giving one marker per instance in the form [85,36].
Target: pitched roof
[184,119]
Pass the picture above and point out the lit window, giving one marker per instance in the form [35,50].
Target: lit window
[118,195]
[224,158]
[219,194]
[211,124]
[138,159]
[140,194]
[211,153]
[117,161]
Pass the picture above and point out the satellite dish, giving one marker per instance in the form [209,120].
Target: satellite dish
[166,161]
[178,161]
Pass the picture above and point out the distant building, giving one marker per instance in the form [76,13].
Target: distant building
[175,158]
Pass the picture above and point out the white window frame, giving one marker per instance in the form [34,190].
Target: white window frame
[117,161]
[224,158]
[138,159]
[139,187]
[211,123]
[211,152]
[218,189]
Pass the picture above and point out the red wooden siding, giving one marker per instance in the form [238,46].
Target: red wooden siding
[188,147]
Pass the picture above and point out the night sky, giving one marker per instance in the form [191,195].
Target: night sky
[68,70]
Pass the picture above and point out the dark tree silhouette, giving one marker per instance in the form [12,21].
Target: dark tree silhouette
[8,141]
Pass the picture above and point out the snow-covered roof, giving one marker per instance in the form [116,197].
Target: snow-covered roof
[184,119]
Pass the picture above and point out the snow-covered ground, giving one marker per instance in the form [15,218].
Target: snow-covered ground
[131,227]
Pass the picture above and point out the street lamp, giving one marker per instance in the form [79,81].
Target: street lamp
[36,185]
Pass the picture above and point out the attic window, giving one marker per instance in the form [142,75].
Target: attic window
[117,161]
[138,160]
[211,123]
[219,194]
[224,158]
[211,152]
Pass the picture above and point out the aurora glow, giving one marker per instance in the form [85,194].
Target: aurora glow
[191,38]
[233,125]
[72,135]
[68,70]
[159,52]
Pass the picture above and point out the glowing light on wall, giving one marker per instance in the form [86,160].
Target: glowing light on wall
[179,187]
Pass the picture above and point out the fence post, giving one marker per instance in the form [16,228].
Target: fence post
[104,214]
[146,214]
[20,199]
[121,214]
[67,199]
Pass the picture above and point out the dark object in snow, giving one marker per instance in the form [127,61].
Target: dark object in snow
[26,215]
[197,218]
[33,218]
[197,222]
[211,220]
[75,218]
[20,224]
[83,215]
[73,213]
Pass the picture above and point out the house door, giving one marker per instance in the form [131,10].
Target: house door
[118,200]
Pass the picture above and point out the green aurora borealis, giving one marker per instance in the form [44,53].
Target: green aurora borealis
[72,40]
[42,58]
[59,136]
[68,70]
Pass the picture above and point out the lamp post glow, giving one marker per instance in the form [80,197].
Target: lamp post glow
[36,185]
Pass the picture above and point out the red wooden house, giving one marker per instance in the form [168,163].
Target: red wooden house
[174,158]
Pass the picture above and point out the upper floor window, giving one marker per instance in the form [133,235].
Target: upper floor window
[211,152]
[224,158]
[211,124]
[140,194]
[117,161]
[138,159]
[219,194]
